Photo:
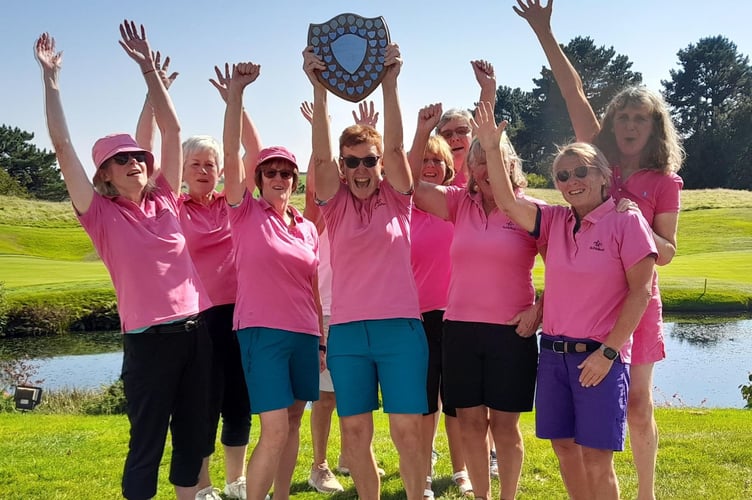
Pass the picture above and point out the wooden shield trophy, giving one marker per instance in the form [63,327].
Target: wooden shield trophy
[353,49]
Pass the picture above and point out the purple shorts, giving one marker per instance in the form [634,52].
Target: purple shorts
[595,417]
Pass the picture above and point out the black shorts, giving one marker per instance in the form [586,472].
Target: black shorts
[488,364]
[433,324]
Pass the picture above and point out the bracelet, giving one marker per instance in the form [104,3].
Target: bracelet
[322,348]
[149,71]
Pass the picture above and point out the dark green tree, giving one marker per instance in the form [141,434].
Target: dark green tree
[710,99]
[33,169]
[603,72]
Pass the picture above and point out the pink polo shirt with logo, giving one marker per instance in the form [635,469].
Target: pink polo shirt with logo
[144,250]
[370,255]
[430,238]
[586,281]
[654,193]
[276,265]
[207,233]
[492,262]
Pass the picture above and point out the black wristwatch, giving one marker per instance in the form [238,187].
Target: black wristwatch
[322,348]
[609,353]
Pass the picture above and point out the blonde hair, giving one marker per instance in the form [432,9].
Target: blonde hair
[589,154]
[198,143]
[476,154]
[663,151]
[438,145]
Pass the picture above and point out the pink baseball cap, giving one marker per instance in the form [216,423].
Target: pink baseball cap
[273,152]
[110,145]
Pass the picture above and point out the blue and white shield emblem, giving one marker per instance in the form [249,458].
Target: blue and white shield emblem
[353,48]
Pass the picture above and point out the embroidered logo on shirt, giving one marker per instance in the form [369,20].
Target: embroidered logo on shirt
[379,203]
[510,225]
[597,246]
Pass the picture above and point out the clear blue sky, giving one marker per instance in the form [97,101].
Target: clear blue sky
[103,91]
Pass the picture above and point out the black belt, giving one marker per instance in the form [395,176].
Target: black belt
[568,347]
[184,325]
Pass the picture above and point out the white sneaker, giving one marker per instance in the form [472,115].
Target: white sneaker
[323,481]
[236,489]
[208,493]
[494,466]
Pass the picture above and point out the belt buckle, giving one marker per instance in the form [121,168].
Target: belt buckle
[559,346]
[190,324]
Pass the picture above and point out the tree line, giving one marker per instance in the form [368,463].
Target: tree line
[710,97]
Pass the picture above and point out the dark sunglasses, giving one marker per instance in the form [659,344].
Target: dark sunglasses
[123,158]
[354,161]
[579,172]
[271,173]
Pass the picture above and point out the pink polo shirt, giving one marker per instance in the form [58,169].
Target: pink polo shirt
[655,193]
[325,273]
[586,281]
[144,250]
[276,265]
[492,262]
[370,256]
[429,254]
[207,234]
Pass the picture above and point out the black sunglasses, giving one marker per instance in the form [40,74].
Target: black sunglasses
[354,161]
[271,173]
[123,158]
[579,172]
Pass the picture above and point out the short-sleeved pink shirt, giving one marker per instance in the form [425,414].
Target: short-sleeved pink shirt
[431,238]
[655,193]
[585,275]
[144,250]
[370,255]
[276,266]
[325,273]
[207,234]
[492,262]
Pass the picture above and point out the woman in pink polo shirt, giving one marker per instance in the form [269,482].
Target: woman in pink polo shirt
[131,214]
[278,311]
[375,337]
[489,349]
[430,239]
[638,138]
[599,266]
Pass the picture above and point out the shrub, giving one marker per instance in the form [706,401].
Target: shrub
[537,181]
[109,401]
[746,390]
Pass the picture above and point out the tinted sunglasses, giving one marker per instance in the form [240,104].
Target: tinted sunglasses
[271,173]
[579,172]
[460,131]
[354,161]
[123,158]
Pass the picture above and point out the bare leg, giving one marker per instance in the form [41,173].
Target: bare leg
[474,424]
[456,447]
[643,430]
[406,430]
[289,455]
[428,431]
[203,476]
[234,462]
[357,434]
[185,492]
[599,466]
[572,468]
[321,421]
[266,455]
[510,450]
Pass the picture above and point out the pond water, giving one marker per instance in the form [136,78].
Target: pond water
[708,358]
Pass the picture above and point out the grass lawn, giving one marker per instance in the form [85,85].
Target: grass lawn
[705,454]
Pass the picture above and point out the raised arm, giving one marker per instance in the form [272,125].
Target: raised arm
[395,159]
[428,118]
[136,45]
[367,114]
[486,77]
[146,123]
[327,173]
[581,114]
[243,74]
[79,187]
[311,210]
[250,138]
[521,211]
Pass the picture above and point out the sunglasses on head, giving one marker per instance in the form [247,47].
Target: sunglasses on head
[354,161]
[459,131]
[271,173]
[579,172]
[123,158]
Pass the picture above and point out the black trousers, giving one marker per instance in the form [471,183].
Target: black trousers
[165,377]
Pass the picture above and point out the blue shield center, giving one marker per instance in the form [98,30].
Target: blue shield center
[349,50]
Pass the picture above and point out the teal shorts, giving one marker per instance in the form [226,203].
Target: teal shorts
[280,367]
[390,353]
